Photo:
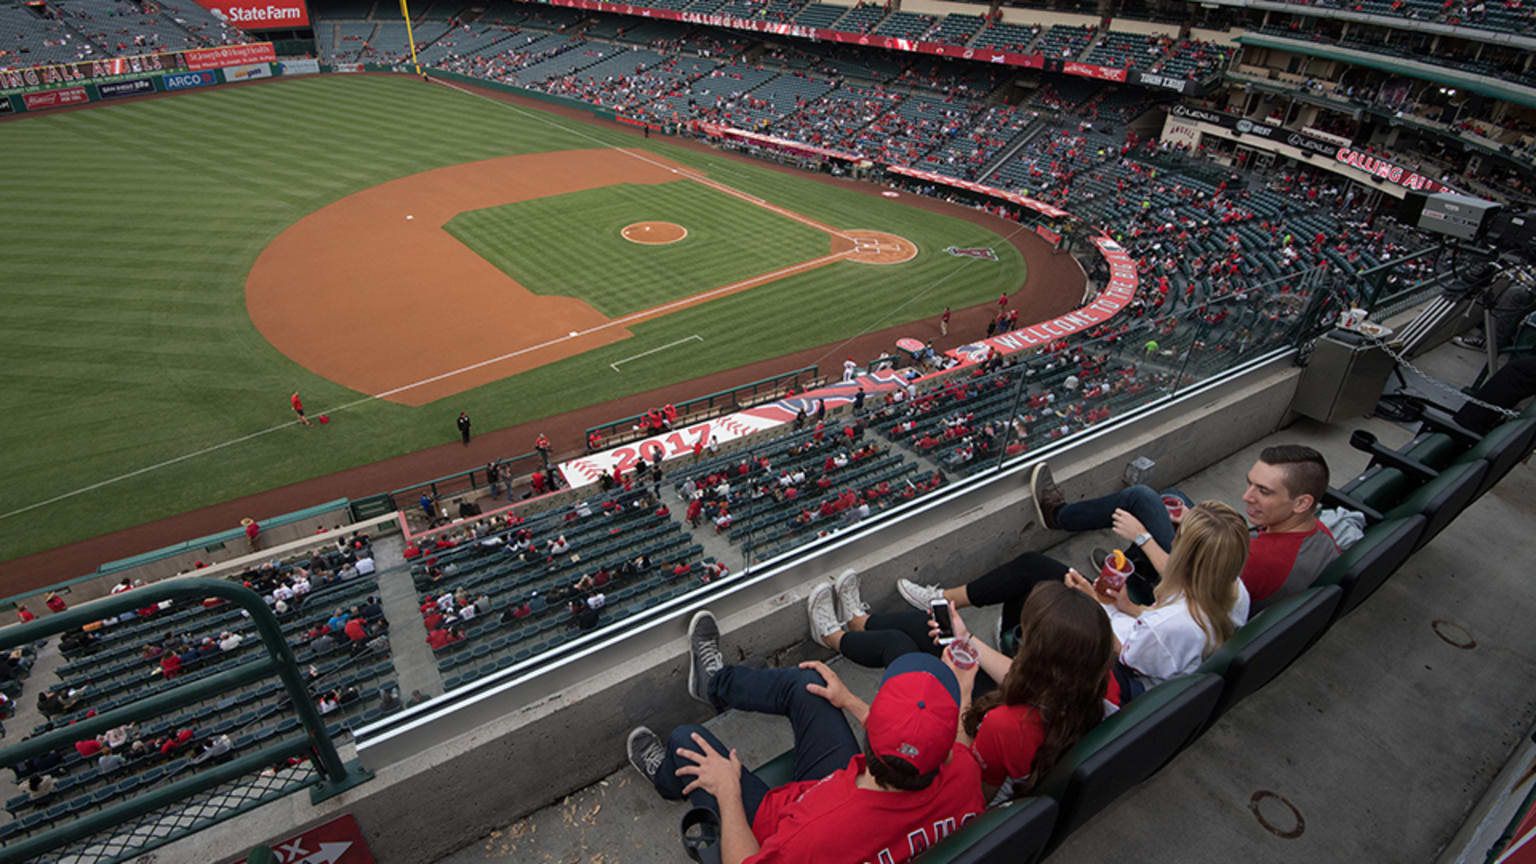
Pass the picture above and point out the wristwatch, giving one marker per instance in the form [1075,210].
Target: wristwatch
[1141,539]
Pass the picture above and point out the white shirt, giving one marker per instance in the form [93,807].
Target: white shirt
[282,592]
[300,587]
[365,566]
[1165,642]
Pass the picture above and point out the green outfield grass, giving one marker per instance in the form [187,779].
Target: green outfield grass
[125,343]
[571,244]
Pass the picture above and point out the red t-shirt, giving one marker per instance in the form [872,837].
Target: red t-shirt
[1009,736]
[438,638]
[297,405]
[1290,561]
[832,820]
[88,748]
[356,631]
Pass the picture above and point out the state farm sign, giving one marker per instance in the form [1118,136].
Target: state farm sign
[255,15]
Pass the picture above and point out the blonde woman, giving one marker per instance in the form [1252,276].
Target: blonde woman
[1198,604]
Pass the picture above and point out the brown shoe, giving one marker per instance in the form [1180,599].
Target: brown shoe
[1047,496]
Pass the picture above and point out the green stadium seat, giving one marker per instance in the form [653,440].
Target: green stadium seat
[1127,748]
[1266,645]
[1442,499]
[1371,560]
[1502,449]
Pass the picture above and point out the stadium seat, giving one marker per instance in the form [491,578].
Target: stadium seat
[1442,499]
[1128,748]
[1266,645]
[1374,557]
[1502,449]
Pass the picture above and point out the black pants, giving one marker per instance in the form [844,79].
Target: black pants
[1515,381]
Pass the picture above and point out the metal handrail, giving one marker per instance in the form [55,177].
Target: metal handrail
[335,776]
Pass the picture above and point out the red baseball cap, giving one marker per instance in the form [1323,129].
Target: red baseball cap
[916,713]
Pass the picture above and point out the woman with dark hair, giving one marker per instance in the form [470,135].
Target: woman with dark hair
[1053,690]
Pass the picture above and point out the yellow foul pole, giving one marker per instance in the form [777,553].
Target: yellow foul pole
[410,35]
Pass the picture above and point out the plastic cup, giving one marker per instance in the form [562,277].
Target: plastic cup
[1175,508]
[962,654]
[1111,580]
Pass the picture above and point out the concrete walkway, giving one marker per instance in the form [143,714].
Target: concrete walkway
[408,646]
[1373,747]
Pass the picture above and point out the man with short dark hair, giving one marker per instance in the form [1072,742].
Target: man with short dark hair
[1287,548]
[910,786]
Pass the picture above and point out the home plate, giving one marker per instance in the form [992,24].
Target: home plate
[408,218]
[573,332]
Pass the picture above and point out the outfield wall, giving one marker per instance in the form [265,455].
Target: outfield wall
[45,88]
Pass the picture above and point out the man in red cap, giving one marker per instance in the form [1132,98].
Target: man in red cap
[907,788]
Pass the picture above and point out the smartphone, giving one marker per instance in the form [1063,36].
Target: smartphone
[940,611]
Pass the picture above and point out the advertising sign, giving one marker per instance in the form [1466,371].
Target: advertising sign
[257,15]
[1088,70]
[55,98]
[248,72]
[118,89]
[39,77]
[301,67]
[183,80]
[339,841]
[229,55]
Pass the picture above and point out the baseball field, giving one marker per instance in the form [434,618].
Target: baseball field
[397,252]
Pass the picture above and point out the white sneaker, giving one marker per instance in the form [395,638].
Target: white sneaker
[822,607]
[850,604]
[918,596]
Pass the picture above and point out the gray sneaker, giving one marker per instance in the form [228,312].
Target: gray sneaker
[1047,496]
[705,658]
[646,752]
[850,603]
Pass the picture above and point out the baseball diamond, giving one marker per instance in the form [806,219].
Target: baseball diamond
[297,269]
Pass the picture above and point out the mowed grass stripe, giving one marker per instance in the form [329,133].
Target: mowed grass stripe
[572,244]
[133,228]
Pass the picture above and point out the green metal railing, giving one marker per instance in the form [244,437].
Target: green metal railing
[622,431]
[334,775]
[465,481]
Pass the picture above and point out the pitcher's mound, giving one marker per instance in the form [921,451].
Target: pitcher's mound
[653,233]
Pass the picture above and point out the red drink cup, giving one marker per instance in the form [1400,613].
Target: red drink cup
[1111,580]
[1175,509]
[962,654]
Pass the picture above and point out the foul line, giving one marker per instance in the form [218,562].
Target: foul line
[615,364]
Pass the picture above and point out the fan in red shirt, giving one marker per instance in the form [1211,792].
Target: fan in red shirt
[910,787]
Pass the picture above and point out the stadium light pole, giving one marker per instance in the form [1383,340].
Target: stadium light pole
[410,36]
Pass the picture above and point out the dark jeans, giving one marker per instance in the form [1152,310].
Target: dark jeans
[823,741]
[1146,504]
